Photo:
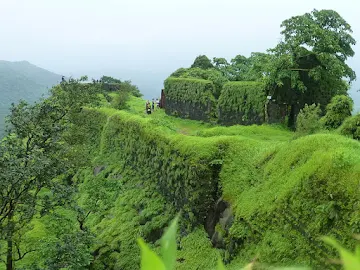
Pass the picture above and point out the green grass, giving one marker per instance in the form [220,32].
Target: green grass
[267,174]
[201,129]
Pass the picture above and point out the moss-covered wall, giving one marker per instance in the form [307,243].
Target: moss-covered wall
[239,102]
[182,167]
[242,103]
[190,98]
[281,195]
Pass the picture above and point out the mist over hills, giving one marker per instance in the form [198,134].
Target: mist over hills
[22,80]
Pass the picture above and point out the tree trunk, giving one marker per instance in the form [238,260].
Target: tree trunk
[9,254]
[292,118]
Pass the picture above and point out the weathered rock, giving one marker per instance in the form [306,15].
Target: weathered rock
[217,240]
[226,219]
[220,214]
[98,170]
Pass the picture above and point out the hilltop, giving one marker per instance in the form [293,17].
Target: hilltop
[22,80]
[241,191]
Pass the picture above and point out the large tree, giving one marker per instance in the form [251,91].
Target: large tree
[243,68]
[203,62]
[310,61]
[34,161]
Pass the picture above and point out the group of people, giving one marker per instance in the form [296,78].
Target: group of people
[150,107]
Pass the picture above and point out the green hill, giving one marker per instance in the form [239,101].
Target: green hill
[242,191]
[22,80]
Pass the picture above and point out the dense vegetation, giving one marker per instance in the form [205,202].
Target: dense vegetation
[242,103]
[307,67]
[85,173]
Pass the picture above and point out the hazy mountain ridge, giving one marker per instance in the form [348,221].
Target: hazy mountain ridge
[22,80]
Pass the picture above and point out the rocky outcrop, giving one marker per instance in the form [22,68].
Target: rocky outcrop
[98,169]
[218,222]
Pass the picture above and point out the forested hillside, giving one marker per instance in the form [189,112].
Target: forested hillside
[22,80]
[93,168]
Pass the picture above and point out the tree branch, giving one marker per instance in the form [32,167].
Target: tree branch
[299,69]
[24,254]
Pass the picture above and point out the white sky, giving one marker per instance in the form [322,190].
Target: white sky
[148,39]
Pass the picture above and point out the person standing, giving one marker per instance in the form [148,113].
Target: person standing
[157,103]
[148,107]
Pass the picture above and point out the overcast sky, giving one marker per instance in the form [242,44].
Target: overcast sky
[148,39]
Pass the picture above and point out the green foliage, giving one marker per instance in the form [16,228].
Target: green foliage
[109,79]
[308,120]
[350,261]
[197,92]
[337,111]
[311,58]
[118,208]
[284,194]
[22,80]
[351,127]
[287,195]
[35,163]
[209,74]
[202,62]
[119,102]
[168,245]
[127,86]
[241,68]
[178,73]
[150,260]
[110,84]
[196,251]
[183,174]
[245,99]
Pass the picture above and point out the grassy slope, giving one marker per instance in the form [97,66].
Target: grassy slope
[265,174]
[266,171]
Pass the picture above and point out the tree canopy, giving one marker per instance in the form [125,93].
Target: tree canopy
[35,162]
[311,57]
[203,62]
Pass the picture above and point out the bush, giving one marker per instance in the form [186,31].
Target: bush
[351,127]
[178,73]
[120,100]
[337,111]
[127,86]
[308,120]
[211,74]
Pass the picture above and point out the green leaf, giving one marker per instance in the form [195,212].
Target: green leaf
[149,259]
[349,260]
[168,245]
[357,252]
[220,265]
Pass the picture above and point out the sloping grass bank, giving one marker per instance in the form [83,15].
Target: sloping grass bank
[283,193]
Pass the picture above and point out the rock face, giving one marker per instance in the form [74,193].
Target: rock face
[218,222]
[98,170]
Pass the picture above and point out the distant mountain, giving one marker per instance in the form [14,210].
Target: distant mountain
[22,80]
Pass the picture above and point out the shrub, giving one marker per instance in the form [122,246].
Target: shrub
[351,127]
[308,120]
[179,72]
[211,74]
[127,86]
[337,110]
[119,101]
